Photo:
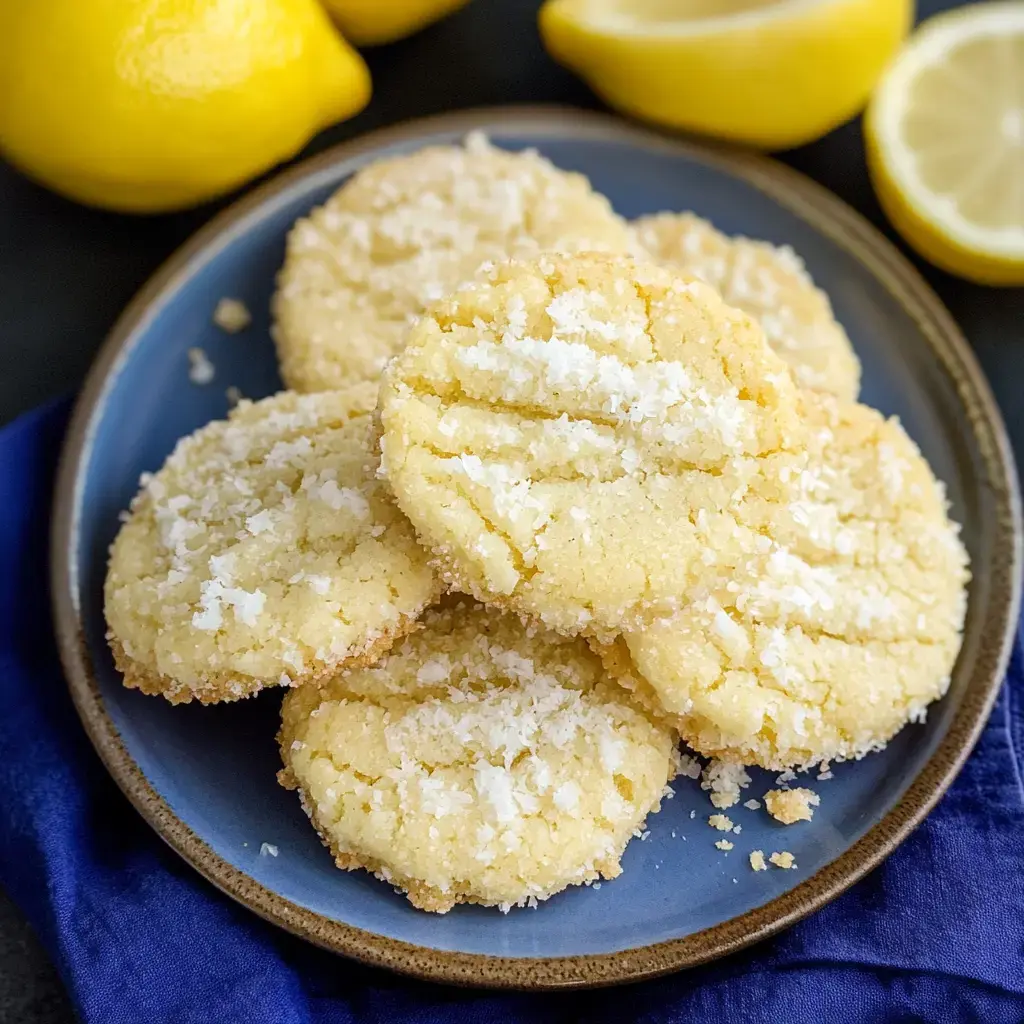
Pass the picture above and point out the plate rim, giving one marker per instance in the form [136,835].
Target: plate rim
[800,195]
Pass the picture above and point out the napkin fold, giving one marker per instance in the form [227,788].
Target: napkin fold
[935,934]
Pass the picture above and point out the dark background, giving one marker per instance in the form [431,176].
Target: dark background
[66,272]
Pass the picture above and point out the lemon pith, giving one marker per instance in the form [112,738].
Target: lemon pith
[771,74]
[945,142]
[151,105]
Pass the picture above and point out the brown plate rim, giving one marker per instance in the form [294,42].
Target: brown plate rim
[827,214]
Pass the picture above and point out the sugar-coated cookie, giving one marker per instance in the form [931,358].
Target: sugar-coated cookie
[480,761]
[554,430]
[405,231]
[265,551]
[830,609]
[770,283]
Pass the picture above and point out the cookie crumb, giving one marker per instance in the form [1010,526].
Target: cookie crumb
[233,395]
[200,369]
[724,844]
[783,859]
[232,315]
[725,780]
[791,805]
[721,822]
[268,850]
[757,860]
[689,766]
[752,805]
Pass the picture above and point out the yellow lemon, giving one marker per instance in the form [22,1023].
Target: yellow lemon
[772,73]
[369,22]
[148,105]
[945,135]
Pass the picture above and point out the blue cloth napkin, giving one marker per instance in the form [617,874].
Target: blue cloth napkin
[936,934]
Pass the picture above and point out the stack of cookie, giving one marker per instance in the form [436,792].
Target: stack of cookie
[552,492]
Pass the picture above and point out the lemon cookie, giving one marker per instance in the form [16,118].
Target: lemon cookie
[770,283]
[830,608]
[265,551]
[554,429]
[480,761]
[404,232]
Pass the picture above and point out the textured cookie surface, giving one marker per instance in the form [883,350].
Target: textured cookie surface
[406,231]
[265,551]
[554,430]
[830,609]
[479,761]
[771,284]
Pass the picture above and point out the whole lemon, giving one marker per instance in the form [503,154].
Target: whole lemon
[151,105]
[371,22]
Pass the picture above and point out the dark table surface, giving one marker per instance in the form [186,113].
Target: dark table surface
[66,272]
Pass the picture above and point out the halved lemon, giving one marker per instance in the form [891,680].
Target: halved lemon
[772,73]
[945,135]
[372,22]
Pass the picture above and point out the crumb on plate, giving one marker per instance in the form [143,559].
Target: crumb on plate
[200,369]
[232,315]
[725,780]
[791,805]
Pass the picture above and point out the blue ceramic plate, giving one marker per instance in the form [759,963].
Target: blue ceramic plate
[204,777]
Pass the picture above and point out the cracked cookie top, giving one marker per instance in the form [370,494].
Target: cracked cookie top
[480,761]
[830,608]
[404,232]
[265,551]
[770,283]
[554,429]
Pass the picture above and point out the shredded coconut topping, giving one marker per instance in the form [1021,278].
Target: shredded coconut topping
[561,408]
[262,551]
[770,283]
[403,233]
[480,760]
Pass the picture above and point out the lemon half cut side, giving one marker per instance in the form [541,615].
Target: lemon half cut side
[770,73]
[945,134]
